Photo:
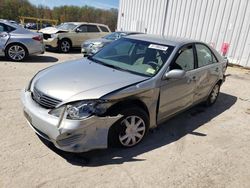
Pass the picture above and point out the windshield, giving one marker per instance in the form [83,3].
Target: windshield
[114,36]
[66,26]
[135,56]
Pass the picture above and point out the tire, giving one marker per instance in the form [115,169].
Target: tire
[122,134]
[64,46]
[16,52]
[213,96]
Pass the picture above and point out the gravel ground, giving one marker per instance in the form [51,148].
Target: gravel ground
[202,147]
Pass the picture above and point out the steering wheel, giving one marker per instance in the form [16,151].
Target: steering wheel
[153,64]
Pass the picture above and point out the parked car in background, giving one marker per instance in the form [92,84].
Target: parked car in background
[116,95]
[90,47]
[72,34]
[16,43]
[35,26]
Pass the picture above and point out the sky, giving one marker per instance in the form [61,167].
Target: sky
[104,4]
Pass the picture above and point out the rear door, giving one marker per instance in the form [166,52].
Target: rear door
[207,72]
[177,94]
[85,32]
[94,32]
[4,37]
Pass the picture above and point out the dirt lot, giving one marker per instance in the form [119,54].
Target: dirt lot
[203,147]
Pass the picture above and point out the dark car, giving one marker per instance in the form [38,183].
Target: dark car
[92,46]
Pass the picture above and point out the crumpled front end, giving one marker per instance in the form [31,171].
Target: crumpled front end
[68,135]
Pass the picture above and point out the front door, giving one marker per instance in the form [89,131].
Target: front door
[177,94]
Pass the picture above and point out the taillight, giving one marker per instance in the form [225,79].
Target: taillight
[38,38]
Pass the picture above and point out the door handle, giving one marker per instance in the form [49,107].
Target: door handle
[217,69]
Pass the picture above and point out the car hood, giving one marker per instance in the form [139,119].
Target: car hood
[52,30]
[82,79]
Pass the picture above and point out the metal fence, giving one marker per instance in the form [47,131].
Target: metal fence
[224,24]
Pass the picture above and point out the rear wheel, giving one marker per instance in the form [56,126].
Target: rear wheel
[130,129]
[213,95]
[64,46]
[16,52]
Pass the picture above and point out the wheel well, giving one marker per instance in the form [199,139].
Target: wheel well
[219,82]
[67,40]
[13,43]
[117,107]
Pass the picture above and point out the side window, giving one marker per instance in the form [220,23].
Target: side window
[83,28]
[6,28]
[185,59]
[204,55]
[92,28]
[1,28]
[104,29]
[10,29]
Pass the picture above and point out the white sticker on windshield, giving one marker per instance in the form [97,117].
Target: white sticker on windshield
[158,47]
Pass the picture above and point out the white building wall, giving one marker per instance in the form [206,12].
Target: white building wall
[212,21]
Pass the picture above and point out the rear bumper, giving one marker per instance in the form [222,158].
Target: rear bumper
[68,135]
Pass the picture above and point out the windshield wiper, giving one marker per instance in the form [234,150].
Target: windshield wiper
[115,67]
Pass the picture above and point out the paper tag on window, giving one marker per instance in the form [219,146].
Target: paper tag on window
[150,71]
[158,47]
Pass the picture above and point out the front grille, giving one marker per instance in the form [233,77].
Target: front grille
[46,36]
[44,100]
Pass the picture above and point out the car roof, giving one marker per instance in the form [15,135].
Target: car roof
[80,23]
[129,32]
[165,40]
[7,22]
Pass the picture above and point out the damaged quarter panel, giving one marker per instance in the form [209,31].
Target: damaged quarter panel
[145,93]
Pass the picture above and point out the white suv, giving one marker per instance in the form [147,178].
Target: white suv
[72,34]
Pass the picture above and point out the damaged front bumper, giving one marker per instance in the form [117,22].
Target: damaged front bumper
[68,135]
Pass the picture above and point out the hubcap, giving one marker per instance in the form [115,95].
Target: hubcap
[16,52]
[65,46]
[214,94]
[133,132]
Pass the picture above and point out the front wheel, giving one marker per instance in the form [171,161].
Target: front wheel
[16,52]
[213,95]
[130,129]
[64,46]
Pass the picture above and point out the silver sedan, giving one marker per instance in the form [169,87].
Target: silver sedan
[115,96]
[16,43]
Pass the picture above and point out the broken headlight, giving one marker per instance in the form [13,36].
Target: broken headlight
[80,110]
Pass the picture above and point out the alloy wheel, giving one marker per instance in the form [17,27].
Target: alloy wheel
[134,129]
[16,53]
[65,46]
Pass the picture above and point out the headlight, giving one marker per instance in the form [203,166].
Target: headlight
[80,110]
[97,45]
[53,35]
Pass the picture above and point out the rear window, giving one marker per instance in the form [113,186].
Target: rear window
[92,28]
[6,28]
[104,29]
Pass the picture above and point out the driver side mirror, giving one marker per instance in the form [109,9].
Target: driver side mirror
[175,74]
[78,30]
